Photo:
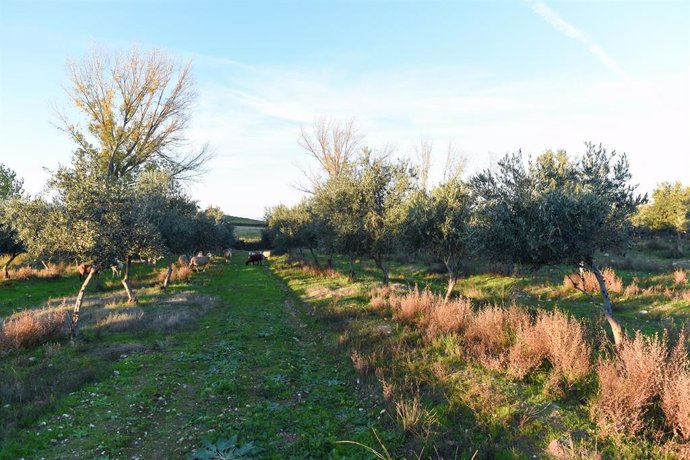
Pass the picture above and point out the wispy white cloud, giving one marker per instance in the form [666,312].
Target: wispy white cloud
[569,30]
[252,117]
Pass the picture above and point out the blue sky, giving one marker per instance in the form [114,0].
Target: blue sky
[490,77]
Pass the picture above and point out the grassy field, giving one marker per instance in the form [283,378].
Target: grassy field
[248,233]
[453,405]
[245,221]
[233,353]
[288,360]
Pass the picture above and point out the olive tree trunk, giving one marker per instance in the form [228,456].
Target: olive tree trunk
[78,302]
[313,256]
[6,267]
[351,273]
[378,260]
[451,265]
[168,274]
[607,307]
[131,295]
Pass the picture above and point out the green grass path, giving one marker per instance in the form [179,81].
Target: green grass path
[256,366]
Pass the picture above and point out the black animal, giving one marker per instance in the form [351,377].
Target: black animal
[254,258]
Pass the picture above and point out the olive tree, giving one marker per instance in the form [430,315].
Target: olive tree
[364,207]
[171,212]
[439,221]
[668,210]
[294,227]
[11,188]
[557,210]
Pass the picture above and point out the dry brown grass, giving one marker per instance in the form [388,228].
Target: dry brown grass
[429,311]
[119,321]
[675,389]
[180,274]
[27,272]
[589,282]
[448,316]
[360,361]
[555,337]
[379,297]
[628,383]
[632,290]
[680,276]
[414,417]
[569,351]
[24,273]
[683,295]
[388,388]
[527,353]
[31,327]
[567,449]
[322,272]
[413,305]
[491,331]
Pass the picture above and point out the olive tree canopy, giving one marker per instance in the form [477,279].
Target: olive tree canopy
[557,210]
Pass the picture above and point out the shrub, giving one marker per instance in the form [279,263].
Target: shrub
[555,337]
[178,275]
[527,353]
[448,316]
[379,297]
[491,331]
[628,382]
[52,271]
[680,276]
[31,327]
[24,273]
[675,390]
[589,282]
[412,305]
[568,350]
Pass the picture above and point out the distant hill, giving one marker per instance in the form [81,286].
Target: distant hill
[245,222]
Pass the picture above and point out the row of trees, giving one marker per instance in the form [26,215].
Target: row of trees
[122,195]
[551,210]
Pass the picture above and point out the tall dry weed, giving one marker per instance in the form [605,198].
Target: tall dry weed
[24,273]
[527,353]
[179,274]
[680,276]
[675,389]
[628,382]
[491,331]
[414,417]
[412,305]
[379,297]
[31,327]
[568,349]
[588,281]
[556,337]
[450,316]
